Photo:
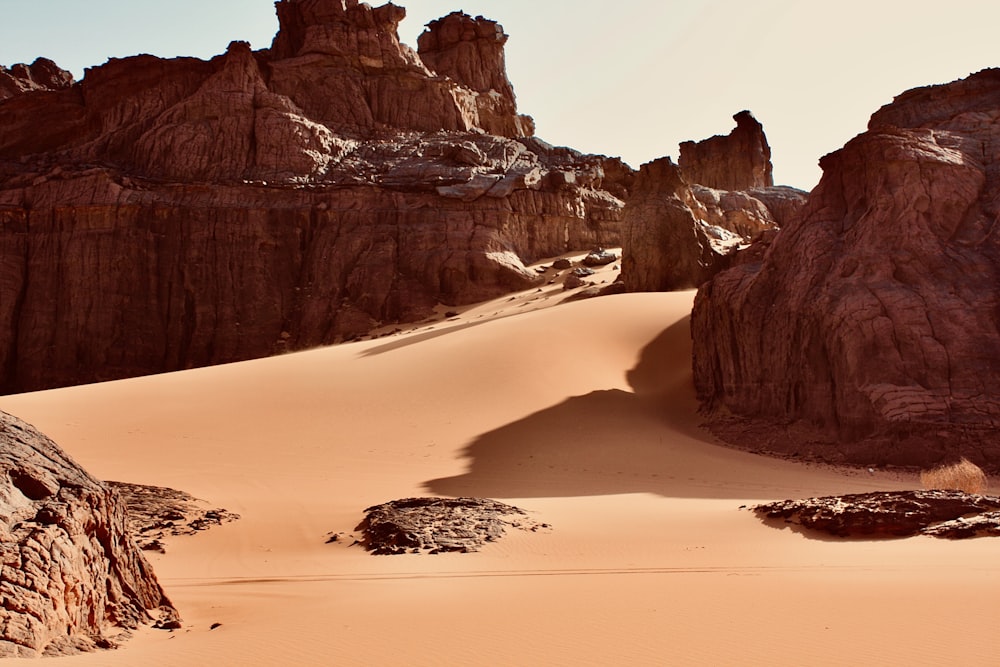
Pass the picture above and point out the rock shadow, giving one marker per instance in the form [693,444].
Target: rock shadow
[605,442]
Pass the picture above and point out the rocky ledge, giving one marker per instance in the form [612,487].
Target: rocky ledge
[437,525]
[886,514]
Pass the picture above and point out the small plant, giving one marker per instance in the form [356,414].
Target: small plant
[962,476]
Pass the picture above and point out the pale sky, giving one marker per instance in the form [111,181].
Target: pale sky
[630,78]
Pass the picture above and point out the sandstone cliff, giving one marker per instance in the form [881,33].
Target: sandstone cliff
[738,161]
[167,214]
[870,324]
[680,231]
[71,577]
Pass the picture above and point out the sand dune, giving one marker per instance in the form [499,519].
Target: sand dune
[582,414]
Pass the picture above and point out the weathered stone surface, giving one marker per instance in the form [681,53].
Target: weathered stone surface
[71,578]
[871,322]
[886,514]
[436,525]
[470,51]
[600,257]
[680,231]
[43,74]
[738,161]
[156,513]
[168,214]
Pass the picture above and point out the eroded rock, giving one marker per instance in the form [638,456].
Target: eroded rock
[683,224]
[437,525]
[883,514]
[156,513]
[168,214]
[870,323]
[71,578]
[740,160]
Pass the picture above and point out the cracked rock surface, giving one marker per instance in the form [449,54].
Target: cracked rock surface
[951,514]
[436,525]
[71,578]
[870,320]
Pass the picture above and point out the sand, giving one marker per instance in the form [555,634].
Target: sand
[584,415]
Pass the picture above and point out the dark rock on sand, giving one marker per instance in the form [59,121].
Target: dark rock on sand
[884,514]
[437,525]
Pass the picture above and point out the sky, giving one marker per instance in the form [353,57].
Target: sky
[631,78]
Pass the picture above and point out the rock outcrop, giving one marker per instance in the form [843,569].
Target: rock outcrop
[683,224]
[470,51]
[437,525]
[43,74]
[888,514]
[71,577]
[157,513]
[870,325]
[168,214]
[740,160]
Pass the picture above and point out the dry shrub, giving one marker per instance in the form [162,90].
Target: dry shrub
[963,476]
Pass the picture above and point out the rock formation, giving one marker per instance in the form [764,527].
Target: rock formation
[71,577]
[740,160]
[684,223]
[886,514]
[167,214]
[437,525]
[43,74]
[470,51]
[870,325]
[156,513]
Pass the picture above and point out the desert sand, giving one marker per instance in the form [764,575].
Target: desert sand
[584,415]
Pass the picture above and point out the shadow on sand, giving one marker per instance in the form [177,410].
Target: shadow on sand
[605,442]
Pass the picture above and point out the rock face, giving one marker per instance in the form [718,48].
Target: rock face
[71,577]
[43,74]
[470,51]
[740,160]
[886,514]
[680,231]
[871,322]
[436,525]
[168,214]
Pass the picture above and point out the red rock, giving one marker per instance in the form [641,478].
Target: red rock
[72,578]
[739,161]
[167,214]
[43,74]
[871,321]
[680,232]
[470,51]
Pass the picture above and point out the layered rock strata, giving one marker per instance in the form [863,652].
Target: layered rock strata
[683,223]
[870,324]
[71,578]
[168,214]
[740,160]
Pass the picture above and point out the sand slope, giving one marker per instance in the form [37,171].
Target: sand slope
[582,414]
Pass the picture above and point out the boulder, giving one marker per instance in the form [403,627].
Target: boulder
[71,577]
[436,525]
[870,324]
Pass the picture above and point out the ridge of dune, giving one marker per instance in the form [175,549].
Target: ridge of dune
[649,560]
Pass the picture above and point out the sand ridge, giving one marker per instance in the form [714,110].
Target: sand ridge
[583,415]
